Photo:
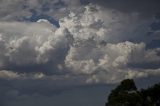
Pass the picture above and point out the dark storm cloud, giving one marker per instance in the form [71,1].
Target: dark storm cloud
[28,89]
[146,8]
[43,92]
[152,65]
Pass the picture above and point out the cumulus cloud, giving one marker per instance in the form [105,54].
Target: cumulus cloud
[110,62]
[29,44]
[88,44]
[108,25]
[94,44]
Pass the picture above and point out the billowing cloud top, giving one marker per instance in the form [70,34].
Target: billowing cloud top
[77,43]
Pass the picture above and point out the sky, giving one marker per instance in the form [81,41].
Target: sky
[74,52]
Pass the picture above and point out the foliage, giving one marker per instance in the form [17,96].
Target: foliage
[126,94]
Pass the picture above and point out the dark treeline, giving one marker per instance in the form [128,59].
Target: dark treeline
[126,94]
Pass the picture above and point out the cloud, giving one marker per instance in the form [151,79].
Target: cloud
[87,44]
[100,43]
[110,63]
[4,74]
[111,26]
[19,10]
[32,44]
[146,8]
[8,74]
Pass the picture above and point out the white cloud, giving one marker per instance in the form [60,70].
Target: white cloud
[106,25]
[83,46]
[8,74]
[31,43]
[110,63]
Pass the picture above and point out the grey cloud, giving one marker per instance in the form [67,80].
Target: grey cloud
[43,92]
[100,43]
[146,8]
[19,10]
[85,44]
[32,44]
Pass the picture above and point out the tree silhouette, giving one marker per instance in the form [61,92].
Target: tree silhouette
[126,94]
